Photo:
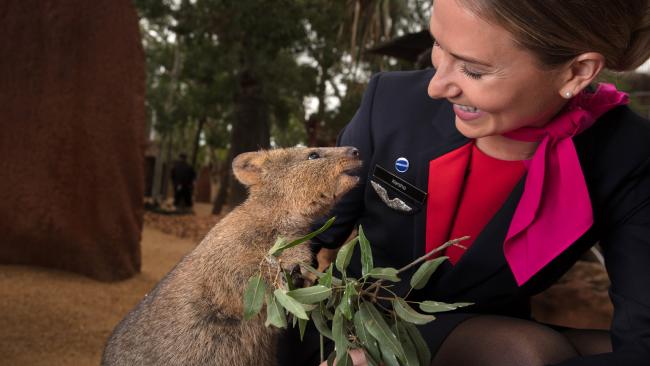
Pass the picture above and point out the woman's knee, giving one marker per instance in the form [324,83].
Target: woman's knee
[494,340]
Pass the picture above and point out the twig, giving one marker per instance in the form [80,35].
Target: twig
[422,259]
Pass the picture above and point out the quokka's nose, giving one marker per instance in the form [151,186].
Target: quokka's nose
[353,151]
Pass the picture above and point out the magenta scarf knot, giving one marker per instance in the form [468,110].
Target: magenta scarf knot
[555,209]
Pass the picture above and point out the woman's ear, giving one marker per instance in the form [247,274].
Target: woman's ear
[247,167]
[580,72]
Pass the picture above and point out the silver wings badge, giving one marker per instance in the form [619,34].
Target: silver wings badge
[394,203]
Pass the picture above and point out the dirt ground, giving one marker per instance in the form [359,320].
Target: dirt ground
[49,317]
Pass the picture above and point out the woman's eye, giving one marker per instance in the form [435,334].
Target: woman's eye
[470,74]
[313,155]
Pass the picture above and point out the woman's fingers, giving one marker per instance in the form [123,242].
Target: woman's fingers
[358,358]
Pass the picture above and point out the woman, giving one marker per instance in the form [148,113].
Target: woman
[516,151]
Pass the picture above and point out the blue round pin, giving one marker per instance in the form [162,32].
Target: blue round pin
[401,165]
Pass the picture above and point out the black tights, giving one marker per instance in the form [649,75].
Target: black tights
[490,340]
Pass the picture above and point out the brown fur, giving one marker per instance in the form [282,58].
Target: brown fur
[194,315]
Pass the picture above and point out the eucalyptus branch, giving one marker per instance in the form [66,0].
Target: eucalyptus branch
[346,309]
[421,259]
[438,249]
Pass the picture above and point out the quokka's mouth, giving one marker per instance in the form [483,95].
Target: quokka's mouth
[353,169]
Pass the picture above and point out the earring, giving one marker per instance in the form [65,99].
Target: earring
[568,94]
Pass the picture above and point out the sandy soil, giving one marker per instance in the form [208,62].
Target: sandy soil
[51,317]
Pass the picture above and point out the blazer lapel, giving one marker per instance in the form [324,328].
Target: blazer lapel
[449,140]
[485,258]
[446,180]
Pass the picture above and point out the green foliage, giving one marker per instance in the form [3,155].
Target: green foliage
[366,253]
[311,295]
[423,274]
[352,312]
[292,305]
[200,53]
[282,245]
[344,255]
[254,296]
[275,313]
[406,312]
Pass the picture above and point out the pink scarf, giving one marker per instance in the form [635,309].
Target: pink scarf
[555,209]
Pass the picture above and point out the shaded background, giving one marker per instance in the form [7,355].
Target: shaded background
[98,99]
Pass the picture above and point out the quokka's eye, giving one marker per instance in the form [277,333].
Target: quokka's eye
[313,155]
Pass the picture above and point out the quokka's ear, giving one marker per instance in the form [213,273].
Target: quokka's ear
[247,167]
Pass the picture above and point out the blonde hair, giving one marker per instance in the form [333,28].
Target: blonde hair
[556,31]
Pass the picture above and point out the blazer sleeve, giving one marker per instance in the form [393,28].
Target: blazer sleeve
[357,133]
[626,248]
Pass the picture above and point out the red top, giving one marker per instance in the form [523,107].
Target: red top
[466,188]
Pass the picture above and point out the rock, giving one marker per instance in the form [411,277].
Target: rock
[72,79]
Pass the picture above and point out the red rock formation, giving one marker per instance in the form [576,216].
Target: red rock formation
[71,146]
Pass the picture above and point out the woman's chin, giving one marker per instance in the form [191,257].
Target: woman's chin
[472,129]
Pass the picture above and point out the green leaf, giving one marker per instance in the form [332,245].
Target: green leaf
[311,295]
[279,243]
[424,354]
[277,249]
[320,323]
[275,313]
[422,275]
[311,269]
[344,359]
[291,304]
[379,329]
[436,307]
[366,253]
[404,311]
[346,305]
[302,326]
[332,302]
[254,296]
[326,280]
[409,348]
[371,360]
[389,274]
[345,254]
[339,332]
[367,341]
[388,357]
[331,358]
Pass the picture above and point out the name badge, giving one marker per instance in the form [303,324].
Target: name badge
[400,185]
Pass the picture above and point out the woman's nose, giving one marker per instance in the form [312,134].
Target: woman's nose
[442,84]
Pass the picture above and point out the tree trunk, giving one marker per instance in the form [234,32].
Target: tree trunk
[222,193]
[197,137]
[251,130]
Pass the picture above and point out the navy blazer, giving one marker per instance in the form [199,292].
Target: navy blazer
[398,119]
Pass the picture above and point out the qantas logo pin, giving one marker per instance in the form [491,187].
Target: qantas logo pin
[401,165]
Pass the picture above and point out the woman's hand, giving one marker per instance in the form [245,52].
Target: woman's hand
[358,358]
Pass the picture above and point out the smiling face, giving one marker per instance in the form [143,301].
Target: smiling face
[495,86]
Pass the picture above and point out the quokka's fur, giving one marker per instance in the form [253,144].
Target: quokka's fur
[194,315]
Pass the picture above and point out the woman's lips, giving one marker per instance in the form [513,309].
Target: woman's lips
[467,113]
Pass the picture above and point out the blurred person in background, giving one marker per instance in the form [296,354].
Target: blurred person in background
[183,177]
